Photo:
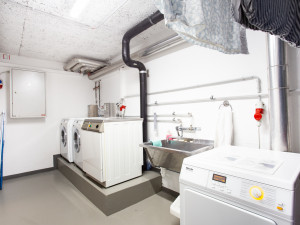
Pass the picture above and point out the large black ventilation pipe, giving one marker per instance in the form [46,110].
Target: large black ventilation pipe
[139,28]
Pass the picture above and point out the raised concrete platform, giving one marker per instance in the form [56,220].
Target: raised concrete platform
[113,199]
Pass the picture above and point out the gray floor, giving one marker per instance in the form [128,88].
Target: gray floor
[49,198]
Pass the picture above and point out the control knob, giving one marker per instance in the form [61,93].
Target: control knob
[256,193]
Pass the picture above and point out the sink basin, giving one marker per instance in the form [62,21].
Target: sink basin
[171,154]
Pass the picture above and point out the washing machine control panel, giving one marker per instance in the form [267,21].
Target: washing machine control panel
[95,126]
[261,194]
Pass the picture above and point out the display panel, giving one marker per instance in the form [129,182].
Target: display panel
[219,178]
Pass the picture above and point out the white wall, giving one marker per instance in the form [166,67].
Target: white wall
[195,65]
[31,143]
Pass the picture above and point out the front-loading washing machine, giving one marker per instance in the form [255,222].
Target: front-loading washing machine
[76,138]
[66,139]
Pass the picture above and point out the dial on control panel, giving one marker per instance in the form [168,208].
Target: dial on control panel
[256,193]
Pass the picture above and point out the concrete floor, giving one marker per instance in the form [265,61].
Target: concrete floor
[49,198]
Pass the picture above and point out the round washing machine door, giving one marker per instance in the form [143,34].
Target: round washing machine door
[76,141]
[63,136]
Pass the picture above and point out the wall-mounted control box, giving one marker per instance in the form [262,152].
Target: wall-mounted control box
[27,93]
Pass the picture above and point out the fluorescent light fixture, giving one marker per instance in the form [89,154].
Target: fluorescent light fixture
[78,8]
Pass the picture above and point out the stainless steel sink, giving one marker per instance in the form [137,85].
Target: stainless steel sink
[171,154]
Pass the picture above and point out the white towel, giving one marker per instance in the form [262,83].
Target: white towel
[224,128]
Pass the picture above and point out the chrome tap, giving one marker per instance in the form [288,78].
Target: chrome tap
[180,129]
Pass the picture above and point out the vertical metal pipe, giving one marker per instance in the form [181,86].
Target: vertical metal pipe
[278,94]
[99,99]
[144,103]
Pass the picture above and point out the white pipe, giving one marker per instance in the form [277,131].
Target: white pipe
[172,115]
[211,99]
[206,85]
[164,121]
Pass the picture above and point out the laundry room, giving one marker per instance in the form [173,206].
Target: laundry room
[149,112]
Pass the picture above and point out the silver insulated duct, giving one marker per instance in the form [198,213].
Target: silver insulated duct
[278,94]
[84,66]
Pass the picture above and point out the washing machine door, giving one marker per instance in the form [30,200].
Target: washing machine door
[63,136]
[198,209]
[76,141]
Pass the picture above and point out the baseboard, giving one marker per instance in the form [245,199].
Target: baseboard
[55,164]
[34,171]
[28,173]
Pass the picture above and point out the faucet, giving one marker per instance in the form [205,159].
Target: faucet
[180,129]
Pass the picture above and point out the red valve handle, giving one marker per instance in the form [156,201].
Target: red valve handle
[258,114]
[122,107]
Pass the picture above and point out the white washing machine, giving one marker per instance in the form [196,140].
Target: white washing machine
[111,152]
[66,139]
[76,136]
[236,185]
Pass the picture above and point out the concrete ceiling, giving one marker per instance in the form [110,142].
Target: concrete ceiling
[59,30]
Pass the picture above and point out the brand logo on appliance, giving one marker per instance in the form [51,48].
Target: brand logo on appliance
[189,169]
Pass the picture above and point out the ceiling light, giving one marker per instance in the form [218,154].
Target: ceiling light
[78,8]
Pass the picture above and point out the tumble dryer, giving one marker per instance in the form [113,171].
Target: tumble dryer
[238,185]
[66,139]
[76,142]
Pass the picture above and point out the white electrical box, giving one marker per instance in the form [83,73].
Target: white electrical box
[27,94]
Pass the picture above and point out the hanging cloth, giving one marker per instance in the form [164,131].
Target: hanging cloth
[224,127]
[206,23]
[277,17]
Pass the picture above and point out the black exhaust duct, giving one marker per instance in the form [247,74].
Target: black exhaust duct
[139,28]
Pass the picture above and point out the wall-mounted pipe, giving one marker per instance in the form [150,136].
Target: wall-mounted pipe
[209,99]
[258,85]
[278,94]
[139,28]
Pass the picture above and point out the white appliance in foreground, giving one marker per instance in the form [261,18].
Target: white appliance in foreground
[76,142]
[66,139]
[111,152]
[240,186]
